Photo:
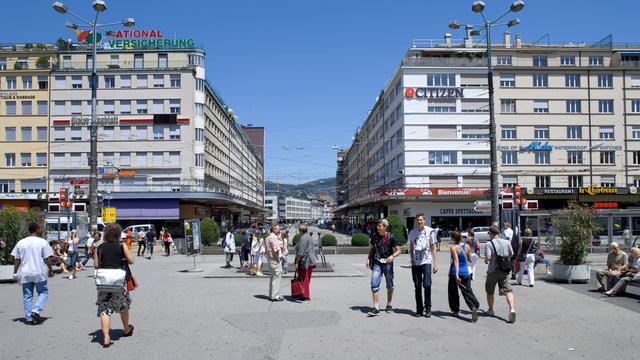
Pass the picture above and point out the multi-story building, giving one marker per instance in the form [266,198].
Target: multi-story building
[24,129]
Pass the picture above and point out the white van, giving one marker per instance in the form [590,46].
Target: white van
[135,229]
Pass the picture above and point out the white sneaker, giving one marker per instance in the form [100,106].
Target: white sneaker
[259,274]
[70,277]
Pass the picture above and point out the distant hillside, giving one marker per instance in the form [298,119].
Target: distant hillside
[315,186]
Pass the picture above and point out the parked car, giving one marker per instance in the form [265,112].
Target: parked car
[481,233]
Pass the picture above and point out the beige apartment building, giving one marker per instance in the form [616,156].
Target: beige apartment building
[24,122]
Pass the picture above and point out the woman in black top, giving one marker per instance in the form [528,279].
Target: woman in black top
[527,257]
[111,254]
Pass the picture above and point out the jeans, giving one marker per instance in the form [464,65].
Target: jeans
[376,276]
[142,246]
[27,297]
[87,257]
[150,248]
[421,275]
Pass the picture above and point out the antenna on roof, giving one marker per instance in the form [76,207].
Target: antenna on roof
[542,37]
[606,42]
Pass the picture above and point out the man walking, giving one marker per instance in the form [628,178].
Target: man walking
[141,242]
[384,250]
[615,260]
[422,246]
[150,239]
[31,254]
[229,248]
[498,250]
[274,257]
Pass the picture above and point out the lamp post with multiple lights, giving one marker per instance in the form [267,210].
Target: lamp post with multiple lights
[99,6]
[478,7]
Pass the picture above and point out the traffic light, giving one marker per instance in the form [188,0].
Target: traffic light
[517,194]
[64,198]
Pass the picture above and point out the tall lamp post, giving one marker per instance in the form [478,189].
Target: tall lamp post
[99,6]
[478,7]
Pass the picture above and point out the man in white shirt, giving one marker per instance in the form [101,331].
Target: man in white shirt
[229,248]
[31,254]
[507,232]
[422,246]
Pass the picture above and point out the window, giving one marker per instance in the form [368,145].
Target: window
[572,80]
[574,157]
[10,107]
[9,159]
[110,82]
[509,157]
[76,134]
[541,132]
[543,181]
[33,186]
[58,160]
[606,132]
[27,83]
[199,160]
[508,132]
[125,106]
[125,159]
[540,61]
[25,159]
[508,105]
[635,156]
[43,108]
[141,81]
[89,61]
[635,132]
[199,109]
[174,106]
[174,158]
[141,159]
[25,132]
[158,132]
[41,159]
[108,133]
[125,81]
[507,80]
[7,186]
[542,157]
[11,82]
[540,80]
[540,106]
[125,132]
[607,157]
[158,159]
[26,107]
[574,132]
[3,63]
[138,61]
[174,132]
[41,132]
[635,80]
[162,61]
[109,107]
[574,106]
[43,82]
[443,157]
[115,60]
[605,106]
[107,158]
[10,133]
[75,159]
[196,60]
[76,82]
[504,60]
[175,80]
[199,134]
[608,181]
[635,106]
[76,107]
[158,81]
[66,62]
[58,133]
[605,80]
[141,106]
[141,132]
[24,62]
[158,107]
[60,82]
[200,84]
[441,109]
[596,60]
[441,79]
[574,181]
[567,60]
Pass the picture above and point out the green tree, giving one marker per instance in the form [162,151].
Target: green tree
[210,232]
[42,62]
[398,229]
[11,230]
[576,225]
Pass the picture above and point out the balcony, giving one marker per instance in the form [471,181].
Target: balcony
[122,66]
[445,61]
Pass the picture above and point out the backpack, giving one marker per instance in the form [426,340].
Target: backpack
[503,262]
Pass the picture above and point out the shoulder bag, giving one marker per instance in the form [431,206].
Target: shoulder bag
[111,280]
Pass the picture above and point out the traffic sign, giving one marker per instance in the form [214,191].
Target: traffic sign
[482,203]
[482,208]
[108,214]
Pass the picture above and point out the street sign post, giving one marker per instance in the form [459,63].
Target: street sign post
[482,208]
[482,203]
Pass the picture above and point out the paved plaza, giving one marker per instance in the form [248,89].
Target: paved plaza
[206,316]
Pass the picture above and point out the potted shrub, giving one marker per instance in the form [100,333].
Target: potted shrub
[210,233]
[329,240]
[576,225]
[11,230]
[397,228]
[360,239]
[42,62]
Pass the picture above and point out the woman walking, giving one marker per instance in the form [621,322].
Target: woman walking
[113,255]
[72,253]
[166,241]
[527,258]
[257,252]
[475,253]
[459,278]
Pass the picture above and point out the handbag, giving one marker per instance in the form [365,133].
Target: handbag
[296,286]
[111,280]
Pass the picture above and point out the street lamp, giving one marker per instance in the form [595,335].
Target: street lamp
[99,6]
[478,7]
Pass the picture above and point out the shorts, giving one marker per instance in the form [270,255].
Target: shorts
[376,277]
[499,278]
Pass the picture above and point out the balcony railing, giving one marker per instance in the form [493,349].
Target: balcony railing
[123,66]
[445,61]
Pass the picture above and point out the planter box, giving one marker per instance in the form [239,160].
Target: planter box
[6,273]
[571,273]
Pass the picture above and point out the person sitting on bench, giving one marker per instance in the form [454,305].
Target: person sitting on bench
[628,273]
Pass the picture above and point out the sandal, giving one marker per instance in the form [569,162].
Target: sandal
[107,344]
[130,331]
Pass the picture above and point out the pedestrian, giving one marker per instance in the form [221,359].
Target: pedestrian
[150,238]
[629,273]
[113,255]
[245,249]
[72,253]
[274,258]
[438,236]
[422,246]
[129,239]
[474,245]
[88,253]
[616,259]
[305,260]
[527,258]
[257,252]
[229,249]
[384,250]
[166,241]
[626,237]
[285,249]
[497,254]
[142,244]
[31,254]
[460,278]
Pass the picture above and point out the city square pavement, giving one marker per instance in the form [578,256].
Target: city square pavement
[203,315]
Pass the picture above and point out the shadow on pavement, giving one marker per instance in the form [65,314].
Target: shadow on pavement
[261,297]
[24,321]
[362,309]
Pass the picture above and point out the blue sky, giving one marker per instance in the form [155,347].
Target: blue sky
[309,71]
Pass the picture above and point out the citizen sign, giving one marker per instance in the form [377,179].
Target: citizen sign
[433,93]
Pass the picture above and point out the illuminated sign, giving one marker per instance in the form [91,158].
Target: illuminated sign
[134,39]
[433,93]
